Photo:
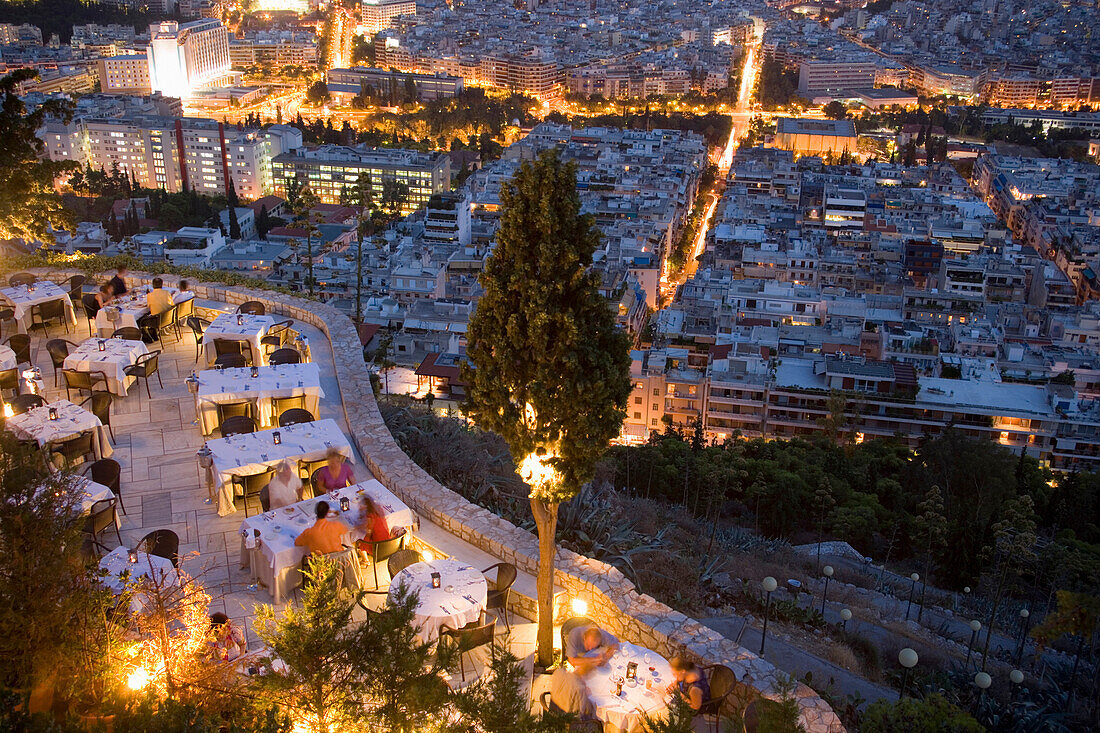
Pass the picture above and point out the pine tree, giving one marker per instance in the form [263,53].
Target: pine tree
[549,371]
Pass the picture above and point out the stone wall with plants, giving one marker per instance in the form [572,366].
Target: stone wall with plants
[612,599]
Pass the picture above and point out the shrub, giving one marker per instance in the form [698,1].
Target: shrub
[933,714]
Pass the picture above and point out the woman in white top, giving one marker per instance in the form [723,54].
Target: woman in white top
[285,487]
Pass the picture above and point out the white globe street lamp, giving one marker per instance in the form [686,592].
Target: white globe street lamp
[975,627]
[769,585]
[827,571]
[914,577]
[908,659]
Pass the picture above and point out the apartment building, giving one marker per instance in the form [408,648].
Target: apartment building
[380,14]
[124,75]
[273,49]
[820,77]
[347,83]
[329,169]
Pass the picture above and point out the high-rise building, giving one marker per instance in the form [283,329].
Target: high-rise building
[124,75]
[184,58]
[348,83]
[378,14]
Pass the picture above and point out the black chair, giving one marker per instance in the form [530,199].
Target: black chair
[294,416]
[252,308]
[198,328]
[721,681]
[372,613]
[571,623]
[163,543]
[381,550]
[22,278]
[238,426]
[91,310]
[469,637]
[51,310]
[242,408]
[76,288]
[107,471]
[279,405]
[129,333]
[99,404]
[20,343]
[9,379]
[277,336]
[232,346]
[7,315]
[58,350]
[146,366]
[100,517]
[149,325]
[498,596]
[78,448]
[402,559]
[26,402]
[265,500]
[284,356]
[91,551]
[251,485]
[83,381]
[167,324]
[231,361]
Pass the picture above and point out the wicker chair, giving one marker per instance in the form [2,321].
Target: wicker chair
[469,637]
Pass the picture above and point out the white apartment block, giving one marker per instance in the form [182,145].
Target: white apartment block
[124,75]
[379,14]
[185,58]
[829,76]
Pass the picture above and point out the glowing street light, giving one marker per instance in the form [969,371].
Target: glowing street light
[908,659]
[769,585]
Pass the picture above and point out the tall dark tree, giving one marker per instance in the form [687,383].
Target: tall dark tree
[30,205]
[233,203]
[549,370]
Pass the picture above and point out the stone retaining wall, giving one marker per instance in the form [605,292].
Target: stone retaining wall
[612,600]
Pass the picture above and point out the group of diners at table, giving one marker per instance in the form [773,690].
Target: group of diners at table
[257,404]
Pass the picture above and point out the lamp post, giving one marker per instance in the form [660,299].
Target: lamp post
[845,617]
[768,584]
[912,588]
[975,627]
[908,659]
[1016,677]
[1025,624]
[982,681]
[827,571]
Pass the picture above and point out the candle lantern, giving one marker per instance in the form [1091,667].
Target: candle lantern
[435,580]
[344,503]
[255,372]
[240,320]
[631,670]
[132,556]
[102,345]
[53,413]
[276,437]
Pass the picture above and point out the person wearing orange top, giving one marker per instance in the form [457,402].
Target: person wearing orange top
[325,536]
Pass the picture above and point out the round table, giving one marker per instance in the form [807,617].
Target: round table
[117,562]
[7,358]
[624,712]
[457,601]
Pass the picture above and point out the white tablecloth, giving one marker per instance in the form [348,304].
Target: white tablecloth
[71,420]
[129,307]
[251,329]
[623,713]
[231,385]
[118,569]
[243,455]
[91,492]
[457,601]
[117,354]
[22,300]
[7,358]
[275,559]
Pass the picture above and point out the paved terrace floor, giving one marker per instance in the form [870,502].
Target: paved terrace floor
[163,486]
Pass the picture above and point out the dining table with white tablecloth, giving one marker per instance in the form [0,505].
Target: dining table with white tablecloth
[624,712]
[251,453]
[23,298]
[126,311]
[119,571]
[462,593]
[218,386]
[238,327]
[90,492]
[267,539]
[7,358]
[71,420]
[111,357]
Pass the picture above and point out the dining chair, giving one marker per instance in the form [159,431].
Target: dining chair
[238,425]
[277,336]
[184,309]
[198,328]
[76,288]
[237,408]
[402,559]
[22,278]
[232,346]
[574,622]
[252,308]
[497,598]
[91,550]
[284,356]
[91,310]
[20,343]
[149,325]
[163,543]
[251,485]
[9,380]
[99,404]
[100,517]
[25,403]
[78,448]
[231,361]
[7,315]
[279,405]
[129,333]
[145,367]
[43,313]
[378,607]
[167,324]
[468,638]
[107,471]
[83,381]
[722,681]
[306,469]
[381,550]
[265,499]
[294,416]
[58,350]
